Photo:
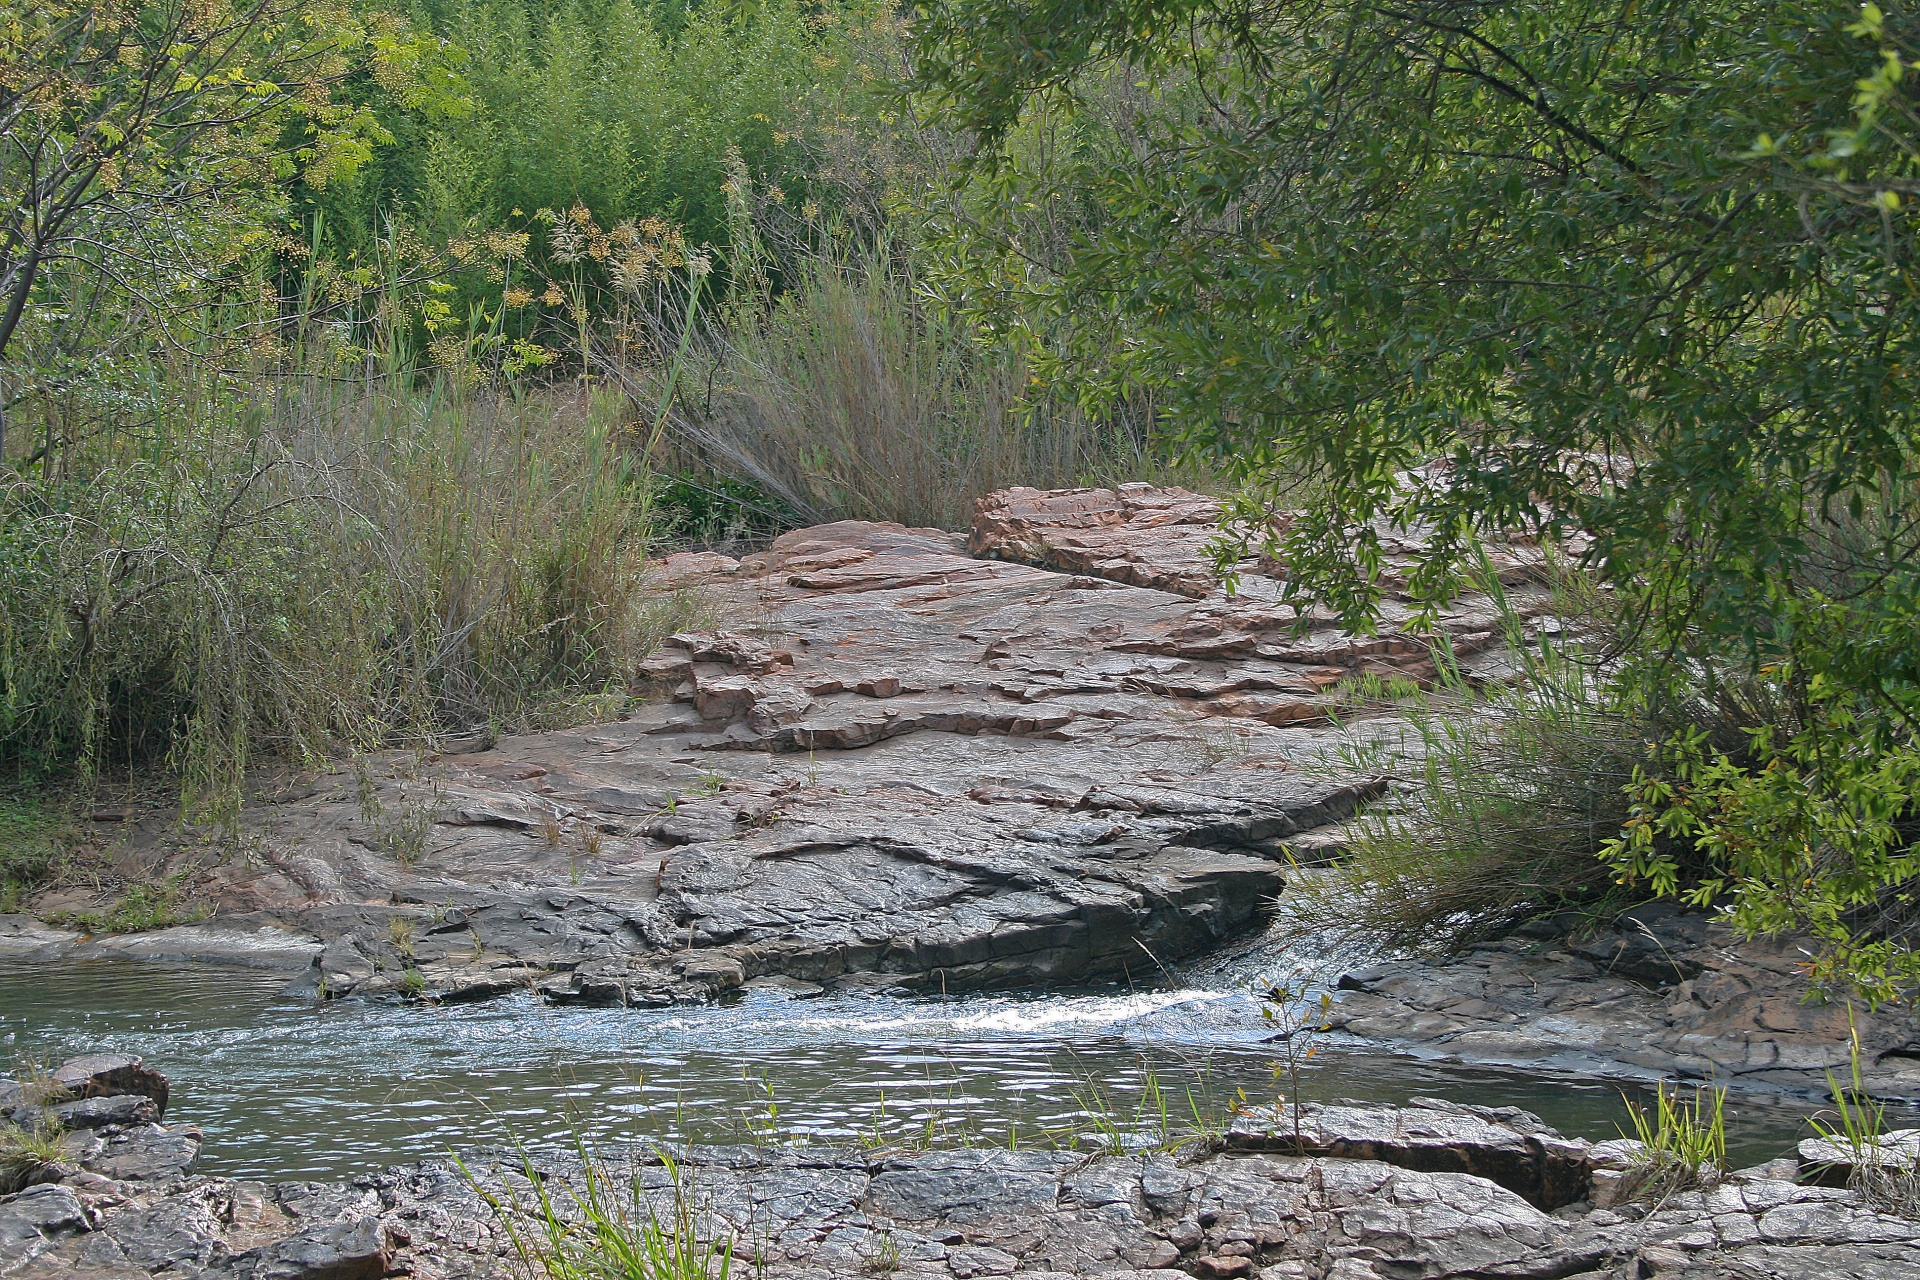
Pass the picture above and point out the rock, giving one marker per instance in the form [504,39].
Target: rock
[103,1075]
[1503,1145]
[800,1213]
[102,1112]
[892,766]
[33,1219]
[1824,1162]
[1652,943]
[147,1153]
[1744,1018]
[355,1250]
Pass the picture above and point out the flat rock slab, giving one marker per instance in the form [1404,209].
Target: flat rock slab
[1503,1145]
[896,767]
[1710,1008]
[810,1214]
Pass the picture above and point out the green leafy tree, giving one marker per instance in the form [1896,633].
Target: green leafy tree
[1636,275]
[143,152]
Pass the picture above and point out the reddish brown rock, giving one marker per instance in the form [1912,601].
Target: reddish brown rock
[111,1075]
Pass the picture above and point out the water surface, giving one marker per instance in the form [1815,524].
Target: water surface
[286,1088]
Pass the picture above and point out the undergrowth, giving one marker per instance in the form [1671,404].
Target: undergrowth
[289,568]
[157,905]
[24,1152]
[1502,796]
[1683,1142]
[34,835]
[607,1226]
[1888,1179]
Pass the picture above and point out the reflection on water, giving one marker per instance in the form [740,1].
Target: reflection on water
[285,1088]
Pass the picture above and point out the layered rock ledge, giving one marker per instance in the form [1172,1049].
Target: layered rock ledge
[1434,1190]
[895,765]
[1049,751]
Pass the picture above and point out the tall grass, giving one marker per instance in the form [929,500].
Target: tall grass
[852,395]
[289,567]
[607,1227]
[1501,797]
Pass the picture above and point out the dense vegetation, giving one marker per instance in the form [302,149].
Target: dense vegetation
[355,352]
[1635,272]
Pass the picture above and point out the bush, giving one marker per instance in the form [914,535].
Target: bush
[852,396]
[1502,799]
[296,567]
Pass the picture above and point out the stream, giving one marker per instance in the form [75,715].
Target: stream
[288,1089]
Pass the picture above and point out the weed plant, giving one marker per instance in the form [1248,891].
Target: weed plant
[33,840]
[297,567]
[1889,1180]
[604,1226]
[1683,1143]
[158,905]
[1501,798]
[851,395]
[24,1152]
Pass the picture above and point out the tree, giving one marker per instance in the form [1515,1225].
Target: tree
[1638,270]
[142,146]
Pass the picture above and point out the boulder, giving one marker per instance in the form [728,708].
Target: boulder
[102,1112]
[103,1075]
[1828,1163]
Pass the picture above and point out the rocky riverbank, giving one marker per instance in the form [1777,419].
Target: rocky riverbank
[1049,751]
[1433,1190]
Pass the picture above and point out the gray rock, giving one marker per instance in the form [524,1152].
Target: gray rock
[1654,943]
[147,1153]
[102,1112]
[31,1220]
[1744,1018]
[1506,1146]
[354,1250]
[1824,1162]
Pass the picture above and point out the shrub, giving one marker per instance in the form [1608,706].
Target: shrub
[1500,798]
[25,1152]
[852,396]
[293,567]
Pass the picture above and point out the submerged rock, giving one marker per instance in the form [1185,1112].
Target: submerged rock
[1743,1016]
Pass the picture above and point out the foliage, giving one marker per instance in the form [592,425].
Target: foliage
[359,567]
[24,1152]
[32,836]
[1632,276]
[1889,1180]
[141,906]
[1683,1144]
[1501,797]
[142,150]
[628,112]
[610,1228]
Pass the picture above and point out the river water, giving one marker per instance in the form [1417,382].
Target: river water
[285,1088]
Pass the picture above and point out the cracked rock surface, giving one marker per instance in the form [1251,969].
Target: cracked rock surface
[812,1213]
[1046,751]
[1660,993]
[895,765]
